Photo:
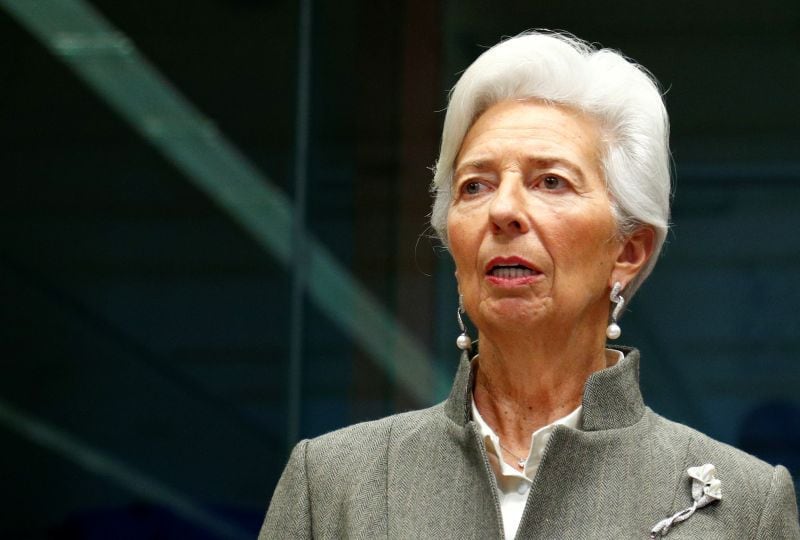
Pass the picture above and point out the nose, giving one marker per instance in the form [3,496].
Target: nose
[507,212]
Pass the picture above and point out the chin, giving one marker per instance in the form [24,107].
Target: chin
[514,311]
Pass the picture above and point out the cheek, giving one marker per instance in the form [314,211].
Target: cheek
[463,246]
[585,242]
[458,245]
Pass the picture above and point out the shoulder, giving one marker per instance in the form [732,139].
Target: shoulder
[753,491]
[363,436]
[701,448]
[362,449]
[334,485]
[342,476]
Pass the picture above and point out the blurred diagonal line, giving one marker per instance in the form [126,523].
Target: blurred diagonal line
[110,64]
[101,464]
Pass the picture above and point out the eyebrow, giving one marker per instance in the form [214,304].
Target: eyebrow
[546,163]
[536,162]
[477,165]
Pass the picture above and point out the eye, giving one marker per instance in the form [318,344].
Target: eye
[552,182]
[472,187]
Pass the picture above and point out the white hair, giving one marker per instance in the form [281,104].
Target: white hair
[561,69]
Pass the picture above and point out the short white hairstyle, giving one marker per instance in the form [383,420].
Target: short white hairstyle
[561,69]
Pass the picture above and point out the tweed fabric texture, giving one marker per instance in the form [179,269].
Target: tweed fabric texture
[425,474]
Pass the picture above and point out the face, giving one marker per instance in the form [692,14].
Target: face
[531,228]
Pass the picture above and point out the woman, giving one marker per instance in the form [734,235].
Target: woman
[552,194]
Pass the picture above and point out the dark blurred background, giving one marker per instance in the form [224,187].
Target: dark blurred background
[214,238]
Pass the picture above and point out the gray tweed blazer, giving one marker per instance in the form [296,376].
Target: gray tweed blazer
[425,474]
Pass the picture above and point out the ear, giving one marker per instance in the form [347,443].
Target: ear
[635,251]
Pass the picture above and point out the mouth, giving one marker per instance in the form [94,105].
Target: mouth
[511,270]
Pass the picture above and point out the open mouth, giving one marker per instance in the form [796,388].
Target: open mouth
[510,268]
[510,272]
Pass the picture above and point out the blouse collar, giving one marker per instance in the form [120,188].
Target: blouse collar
[611,396]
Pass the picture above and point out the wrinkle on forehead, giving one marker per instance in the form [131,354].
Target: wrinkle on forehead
[567,136]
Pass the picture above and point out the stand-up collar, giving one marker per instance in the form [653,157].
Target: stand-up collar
[458,403]
[611,396]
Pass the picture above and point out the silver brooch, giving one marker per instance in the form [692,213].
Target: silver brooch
[706,488]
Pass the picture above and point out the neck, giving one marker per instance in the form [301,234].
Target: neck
[522,385]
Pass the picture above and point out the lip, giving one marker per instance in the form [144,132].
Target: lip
[511,261]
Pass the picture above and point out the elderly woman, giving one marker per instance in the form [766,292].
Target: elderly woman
[552,194]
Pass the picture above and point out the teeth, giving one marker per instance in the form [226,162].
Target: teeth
[511,272]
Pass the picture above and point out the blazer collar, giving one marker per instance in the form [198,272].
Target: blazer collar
[611,396]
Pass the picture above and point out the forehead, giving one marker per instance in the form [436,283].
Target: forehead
[533,127]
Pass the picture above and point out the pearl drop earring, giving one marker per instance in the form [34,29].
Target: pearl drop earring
[614,331]
[463,342]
